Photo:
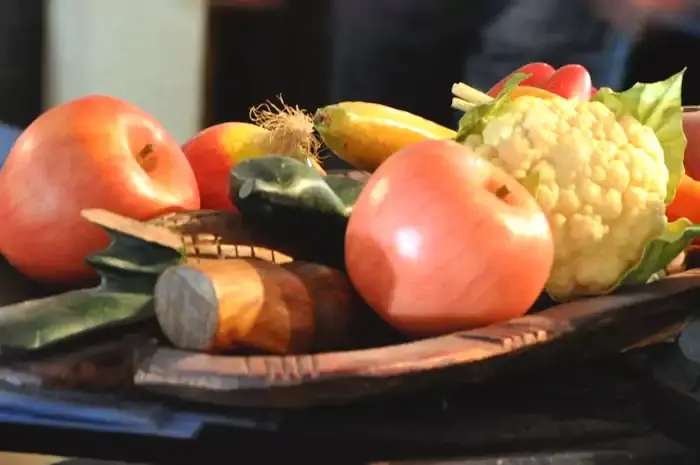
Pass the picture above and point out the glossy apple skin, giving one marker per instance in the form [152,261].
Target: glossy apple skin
[214,152]
[433,250]
[84,154]
[691,127]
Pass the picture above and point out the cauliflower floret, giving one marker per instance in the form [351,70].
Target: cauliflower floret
[602,184]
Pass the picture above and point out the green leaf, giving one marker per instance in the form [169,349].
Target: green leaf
[132,264]
[276,193]
[474,121]
[286,181]
[346,188]
[662,250]
[658,106]
[35,324]
[129,268]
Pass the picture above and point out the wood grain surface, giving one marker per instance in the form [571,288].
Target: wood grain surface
[209,234]
[106,367]
[219,305]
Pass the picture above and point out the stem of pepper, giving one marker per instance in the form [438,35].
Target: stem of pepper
[462,105]
[470,94]
[466,97]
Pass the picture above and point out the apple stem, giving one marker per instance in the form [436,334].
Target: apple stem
[145,151]
[502,192]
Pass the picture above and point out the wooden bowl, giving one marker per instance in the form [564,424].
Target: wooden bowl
[563,334]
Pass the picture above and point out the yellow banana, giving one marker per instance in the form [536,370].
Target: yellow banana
[365,134]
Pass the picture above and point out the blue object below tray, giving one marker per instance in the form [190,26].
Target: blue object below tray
[93,414]
[8,136]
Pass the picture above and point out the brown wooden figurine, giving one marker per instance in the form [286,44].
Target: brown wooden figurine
[215,305]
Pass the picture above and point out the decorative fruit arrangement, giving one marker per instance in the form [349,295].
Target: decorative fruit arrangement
[547,187]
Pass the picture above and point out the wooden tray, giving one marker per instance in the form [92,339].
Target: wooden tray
[563,334]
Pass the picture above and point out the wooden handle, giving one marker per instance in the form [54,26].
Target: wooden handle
[214,305]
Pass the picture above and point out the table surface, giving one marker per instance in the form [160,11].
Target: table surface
[597,409]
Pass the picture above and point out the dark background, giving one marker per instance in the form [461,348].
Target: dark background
[290,58]
[257,54]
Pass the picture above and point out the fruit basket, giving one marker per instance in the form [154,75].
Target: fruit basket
[439,264]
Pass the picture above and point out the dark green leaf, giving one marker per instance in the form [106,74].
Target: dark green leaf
[35,324]
[662,250]
[132,264]
[281,195]
[129,268]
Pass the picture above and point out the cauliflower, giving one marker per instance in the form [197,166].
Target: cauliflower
[601,182]
[599,174]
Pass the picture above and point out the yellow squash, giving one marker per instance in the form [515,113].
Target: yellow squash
[522,91]
[365,134]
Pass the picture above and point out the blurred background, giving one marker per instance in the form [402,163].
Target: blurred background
[193,63]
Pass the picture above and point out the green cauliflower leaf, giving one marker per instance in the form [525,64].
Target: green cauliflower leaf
[658,106]
[475,120]
[662,250]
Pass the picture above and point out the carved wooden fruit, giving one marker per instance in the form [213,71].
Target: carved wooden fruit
[222,304]
[208,234]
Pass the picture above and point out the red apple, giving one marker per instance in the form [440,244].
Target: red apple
[93,152]
[215,150]
[441,240]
